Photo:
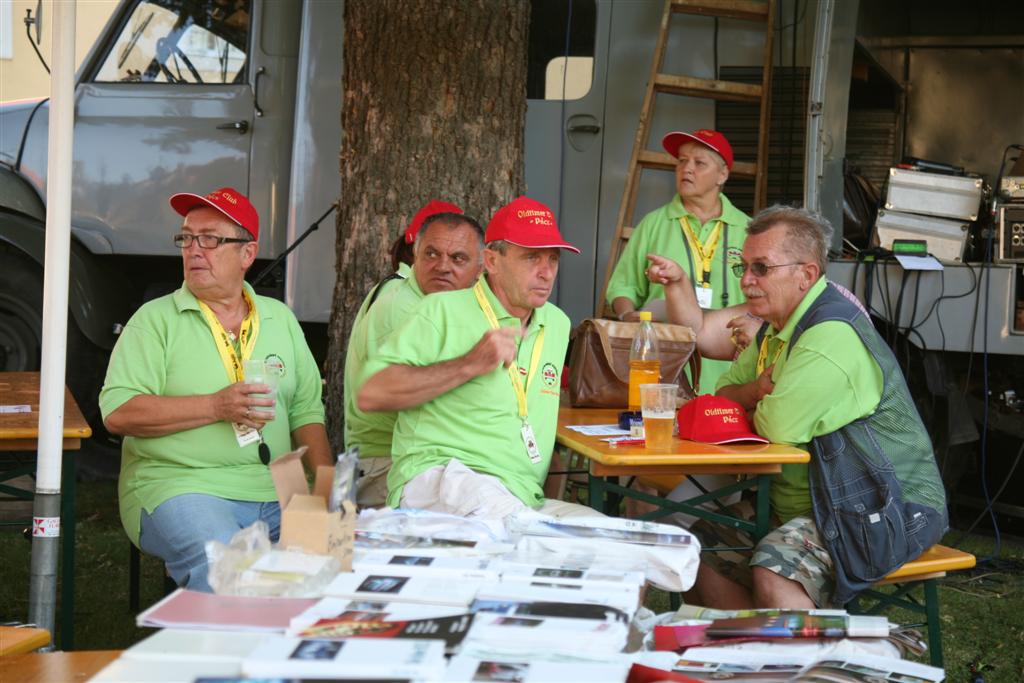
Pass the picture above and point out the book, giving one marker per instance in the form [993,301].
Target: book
[801,625]
[452,630]
[398,588]
[575,602]
[335,608]
[366,657]
[425,545]
[414,563]
[192,609]
[524,670]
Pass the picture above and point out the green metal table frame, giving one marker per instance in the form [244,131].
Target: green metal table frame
[902,596]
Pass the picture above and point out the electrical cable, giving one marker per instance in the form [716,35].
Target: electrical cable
[28,33]
[986,266]
[988,508]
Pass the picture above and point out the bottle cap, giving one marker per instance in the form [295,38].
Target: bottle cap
[645,315]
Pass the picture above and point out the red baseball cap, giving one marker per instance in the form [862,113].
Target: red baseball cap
[228,201]
[711,139]
[526,223]
[713,419]
[431,208]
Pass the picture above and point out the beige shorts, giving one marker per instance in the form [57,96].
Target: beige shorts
[458,490]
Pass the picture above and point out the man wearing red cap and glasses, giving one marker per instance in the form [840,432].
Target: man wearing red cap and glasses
[448,255]
[475,375]
[197,438]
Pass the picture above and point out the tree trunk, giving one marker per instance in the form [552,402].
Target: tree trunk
[434,107]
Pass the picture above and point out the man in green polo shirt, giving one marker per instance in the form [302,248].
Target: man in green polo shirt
[198,439]
[819,376]
[475,374]
[448,255]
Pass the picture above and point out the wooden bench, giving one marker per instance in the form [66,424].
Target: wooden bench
[896,590]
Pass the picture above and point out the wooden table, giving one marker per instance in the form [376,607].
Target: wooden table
[50,667]
[20,432]
[608,462]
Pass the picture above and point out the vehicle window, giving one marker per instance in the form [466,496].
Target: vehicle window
[546,78]
[180,41]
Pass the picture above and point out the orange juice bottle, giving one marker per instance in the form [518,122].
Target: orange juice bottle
[644,364]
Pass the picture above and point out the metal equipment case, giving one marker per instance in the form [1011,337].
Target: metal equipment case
[933,194]
[946,238]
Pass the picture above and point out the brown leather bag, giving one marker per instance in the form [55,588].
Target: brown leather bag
[599,362]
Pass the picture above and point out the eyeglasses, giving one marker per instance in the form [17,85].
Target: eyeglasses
[759,269]
[184,240]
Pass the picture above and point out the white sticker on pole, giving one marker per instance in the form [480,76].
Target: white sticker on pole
[45,527]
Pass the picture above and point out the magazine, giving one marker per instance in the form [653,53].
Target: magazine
[767,667]
[335,608]
[398,588]
[570,575]
[560,601]
[530,633]
[367,657]
[801,625]
[612,529]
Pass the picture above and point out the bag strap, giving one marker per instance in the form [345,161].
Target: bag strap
[606,347]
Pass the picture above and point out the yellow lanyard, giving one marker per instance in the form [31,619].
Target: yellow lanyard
[706,252]
[247,335]
[762,354]
[513,369]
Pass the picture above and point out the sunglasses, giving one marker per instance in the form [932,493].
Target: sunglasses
[759,269]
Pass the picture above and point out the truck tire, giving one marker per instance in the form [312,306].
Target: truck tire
[21,334]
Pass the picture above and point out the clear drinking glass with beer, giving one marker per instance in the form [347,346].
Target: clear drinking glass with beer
[658,405]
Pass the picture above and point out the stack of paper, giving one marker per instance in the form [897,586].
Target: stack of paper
[463,668]
[581,603]
[330,609]
[519,632]
[570,574]
[192,609]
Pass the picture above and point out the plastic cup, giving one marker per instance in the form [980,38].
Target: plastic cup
[258,372]
[658,406]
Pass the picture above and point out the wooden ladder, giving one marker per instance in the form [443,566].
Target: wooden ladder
[642,158]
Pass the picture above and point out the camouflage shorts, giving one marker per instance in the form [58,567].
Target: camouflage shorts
[793,551]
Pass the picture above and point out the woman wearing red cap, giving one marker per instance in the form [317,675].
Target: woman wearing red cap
[700,229]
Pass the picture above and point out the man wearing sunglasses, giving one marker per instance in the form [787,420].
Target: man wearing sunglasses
[820,377]
[197,437]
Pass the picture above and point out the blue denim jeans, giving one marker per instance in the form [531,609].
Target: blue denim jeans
[178,529]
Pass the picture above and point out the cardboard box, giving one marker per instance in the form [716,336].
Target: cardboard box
[305,520]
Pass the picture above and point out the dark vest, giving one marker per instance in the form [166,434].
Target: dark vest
[876,491]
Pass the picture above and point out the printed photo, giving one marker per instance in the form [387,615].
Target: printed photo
[382,584]
[517,621]
[552,573]
[411,561]
[317,649]
[509,672]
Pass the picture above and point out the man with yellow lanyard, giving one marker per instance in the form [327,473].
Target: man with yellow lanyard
[197,438]
[475,374]
[699,228]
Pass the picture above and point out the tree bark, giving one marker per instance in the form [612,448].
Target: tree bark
[434,107]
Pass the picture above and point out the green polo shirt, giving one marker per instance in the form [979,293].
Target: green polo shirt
[827,381]
[167,349]
[660,233]
[371,432]
[478,422]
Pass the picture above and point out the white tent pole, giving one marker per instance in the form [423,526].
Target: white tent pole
[46,506]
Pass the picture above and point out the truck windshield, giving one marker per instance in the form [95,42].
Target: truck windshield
[180,41]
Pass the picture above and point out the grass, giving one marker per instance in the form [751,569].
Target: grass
[982,609]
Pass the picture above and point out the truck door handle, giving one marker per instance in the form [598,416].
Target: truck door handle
[584,128]
[241,126]
[256,91]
